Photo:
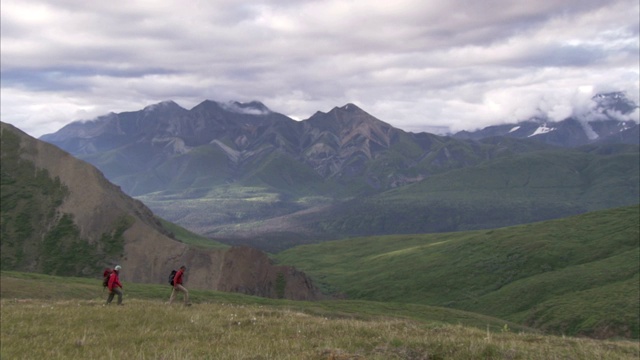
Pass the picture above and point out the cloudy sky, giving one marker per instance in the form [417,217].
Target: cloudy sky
[420,65]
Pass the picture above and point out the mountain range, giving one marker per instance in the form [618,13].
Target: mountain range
[607,122]
[243,174]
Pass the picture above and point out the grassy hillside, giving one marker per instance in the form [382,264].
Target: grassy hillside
[508,191]
[191,238]
[588,178]
[35,235]
[577,275]
[62,318]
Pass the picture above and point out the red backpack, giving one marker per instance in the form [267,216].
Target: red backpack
[105,277]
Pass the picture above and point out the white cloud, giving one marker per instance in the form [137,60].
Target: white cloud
[419,65]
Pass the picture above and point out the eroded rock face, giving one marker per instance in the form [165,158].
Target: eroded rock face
[249,271]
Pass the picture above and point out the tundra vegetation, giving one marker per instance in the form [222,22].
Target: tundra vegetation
[64,318]
[578,275]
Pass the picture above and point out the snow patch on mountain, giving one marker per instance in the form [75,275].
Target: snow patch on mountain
[543,129]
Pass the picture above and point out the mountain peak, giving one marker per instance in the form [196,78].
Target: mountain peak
[346,116]
[163,106]
[614,101]
[350,107]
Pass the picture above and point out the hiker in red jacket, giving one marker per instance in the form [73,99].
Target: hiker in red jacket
[114,284]
[177,286]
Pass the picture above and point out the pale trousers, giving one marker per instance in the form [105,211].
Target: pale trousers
[182,289]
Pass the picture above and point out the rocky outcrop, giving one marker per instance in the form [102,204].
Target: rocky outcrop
[249,271]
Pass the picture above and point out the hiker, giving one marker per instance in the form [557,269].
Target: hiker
[177,286]
[114,284]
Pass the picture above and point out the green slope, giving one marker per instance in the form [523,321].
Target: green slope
[18,285]
[188,237]
[34,234]
[279,173]
[522,273]
[547,176]
[38,311]
[513,190]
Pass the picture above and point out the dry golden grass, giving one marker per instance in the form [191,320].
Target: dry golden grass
[150,329]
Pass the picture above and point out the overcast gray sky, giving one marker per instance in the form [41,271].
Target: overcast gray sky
[433,66]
